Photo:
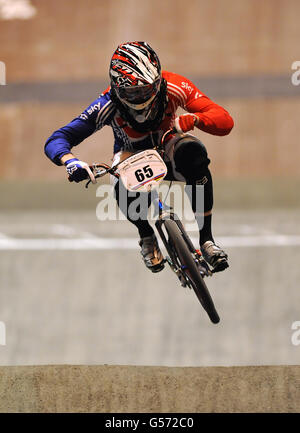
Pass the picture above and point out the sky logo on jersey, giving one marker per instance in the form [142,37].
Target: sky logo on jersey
[187,86]
[83,116]
[95,107]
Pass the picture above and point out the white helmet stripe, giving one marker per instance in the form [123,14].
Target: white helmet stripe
[148,71]
[147,65]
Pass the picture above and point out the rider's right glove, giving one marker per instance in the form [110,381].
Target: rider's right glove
[186,122]
[78,170]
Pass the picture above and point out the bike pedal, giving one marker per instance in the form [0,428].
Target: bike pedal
[221,265]
[157,268]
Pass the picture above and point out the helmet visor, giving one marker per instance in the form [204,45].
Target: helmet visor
[138,95]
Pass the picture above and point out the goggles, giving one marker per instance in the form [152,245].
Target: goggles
[138,97]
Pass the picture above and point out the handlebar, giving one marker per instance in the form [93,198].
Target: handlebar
[166,135]
[101,169]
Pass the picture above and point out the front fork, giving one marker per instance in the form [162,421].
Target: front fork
[171,259]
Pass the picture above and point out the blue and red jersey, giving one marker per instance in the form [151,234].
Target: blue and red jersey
[181,92]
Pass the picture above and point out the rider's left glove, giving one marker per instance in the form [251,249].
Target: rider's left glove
[78,170]
[186,122]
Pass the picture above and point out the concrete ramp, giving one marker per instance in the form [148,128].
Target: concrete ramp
[79,388]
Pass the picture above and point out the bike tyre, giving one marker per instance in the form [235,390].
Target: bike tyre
[184,255]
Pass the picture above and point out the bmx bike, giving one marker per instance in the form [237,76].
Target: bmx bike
[143,171]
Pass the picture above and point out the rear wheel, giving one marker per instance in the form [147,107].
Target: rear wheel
[189,267]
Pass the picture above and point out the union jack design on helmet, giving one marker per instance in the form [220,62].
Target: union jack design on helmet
[137,88]
[134,63]
[135,74]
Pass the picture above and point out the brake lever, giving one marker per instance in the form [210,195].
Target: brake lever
[93,167]
[88,182]
[164,137]
[98,173]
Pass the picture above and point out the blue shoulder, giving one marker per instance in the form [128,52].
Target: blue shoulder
[94,117]
[100,111]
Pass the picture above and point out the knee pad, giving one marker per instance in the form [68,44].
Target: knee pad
[190,157]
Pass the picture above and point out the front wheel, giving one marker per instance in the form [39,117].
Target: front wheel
[188,266]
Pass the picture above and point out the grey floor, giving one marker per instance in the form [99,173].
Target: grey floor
[101,306]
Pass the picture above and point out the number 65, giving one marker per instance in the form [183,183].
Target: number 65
[140,176]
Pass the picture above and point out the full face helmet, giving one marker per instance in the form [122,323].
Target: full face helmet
[137,84]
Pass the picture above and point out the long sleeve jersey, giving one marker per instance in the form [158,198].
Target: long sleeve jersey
[181,92]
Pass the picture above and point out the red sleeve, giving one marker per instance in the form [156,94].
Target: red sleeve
[213,118]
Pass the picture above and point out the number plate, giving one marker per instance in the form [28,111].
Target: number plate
[142,171]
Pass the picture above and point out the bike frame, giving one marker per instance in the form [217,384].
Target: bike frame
[163,214]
